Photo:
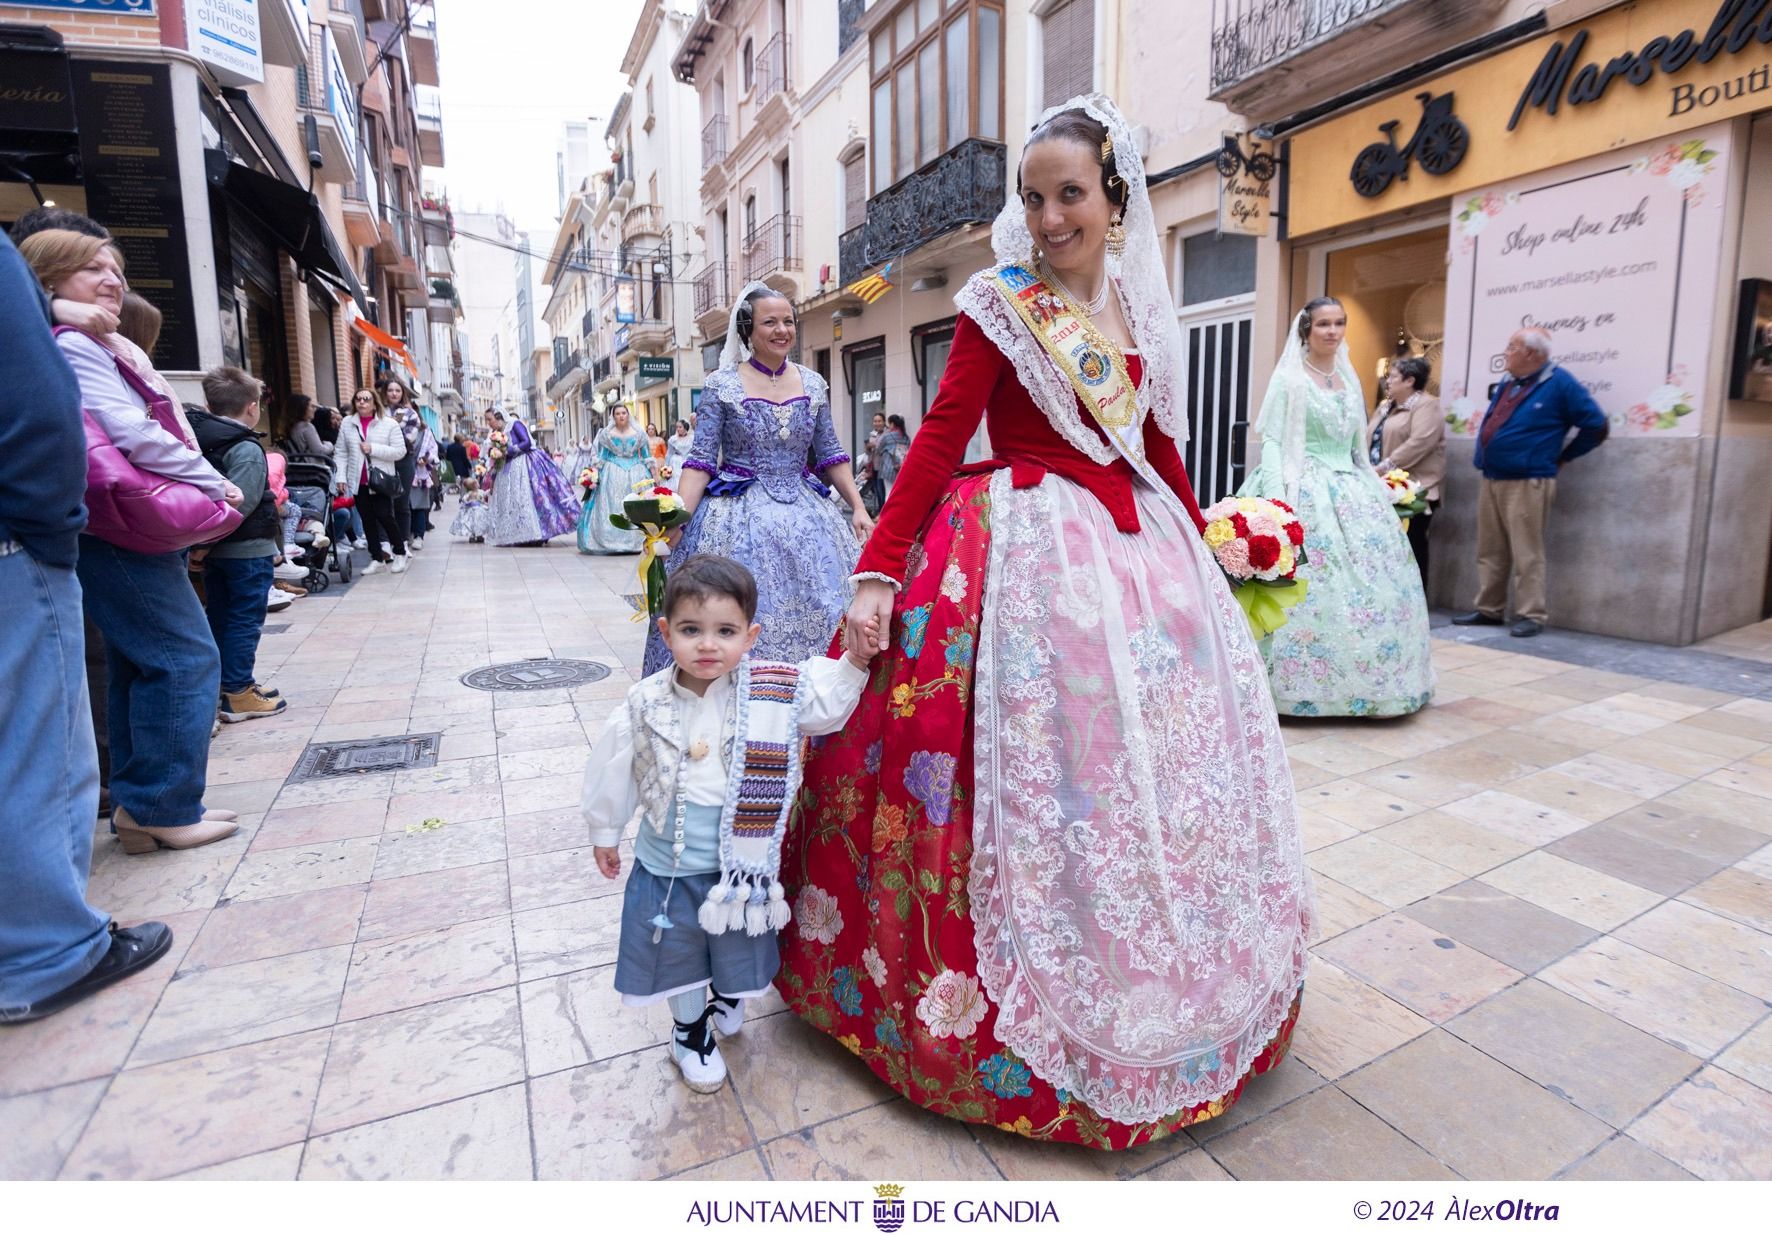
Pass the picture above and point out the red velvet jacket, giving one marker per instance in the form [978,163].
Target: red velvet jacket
[980,382]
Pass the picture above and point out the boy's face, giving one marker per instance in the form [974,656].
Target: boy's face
[707,636]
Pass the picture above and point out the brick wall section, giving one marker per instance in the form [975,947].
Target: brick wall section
[91,28]
[299,331]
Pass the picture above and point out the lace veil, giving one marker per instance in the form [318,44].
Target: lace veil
[1281,421]
[735,352]
[1144,298]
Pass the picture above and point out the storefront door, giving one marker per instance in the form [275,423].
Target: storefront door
[1217,350]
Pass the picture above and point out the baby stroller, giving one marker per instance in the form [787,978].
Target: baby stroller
[310,486]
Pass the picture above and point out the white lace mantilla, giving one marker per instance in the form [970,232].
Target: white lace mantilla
[1139,894]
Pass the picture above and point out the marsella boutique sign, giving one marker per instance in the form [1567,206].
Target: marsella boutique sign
[1633,73]
[1615,256]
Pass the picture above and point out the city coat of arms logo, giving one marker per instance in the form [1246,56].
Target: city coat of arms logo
[888,1207]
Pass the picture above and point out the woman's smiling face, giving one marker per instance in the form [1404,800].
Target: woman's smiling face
[1067,210]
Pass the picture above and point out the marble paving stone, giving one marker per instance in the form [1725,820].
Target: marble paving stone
[1324,1135]
[155,884]
[825,1081]
[561,876]
[1687,1009]
[304,868]
[546,831]
[1576,1051]
[562,938]
[1737,894]
[466,745]
[1653,750]
[277,926]
[228,768]
[891,1141]
[1751,1056]
[389,710]
[1628,776]
[1712,945]
[522,797]
[285,828]
[577,1018]
[1714,1126]
[389,974]
[1515,932]
[412,904]
[54,1117]
[584,1120]
[1198,1166]
[247,797]
[1609,714]
[1309,775]
[527,710]
[1319,831]
[1443,1094]
[1634,859]
[516,741]
[528,765]
[1529,822]
[1688,735]
[746,1167]
[455,807]
[1624,1159]
[212,1009]
[271,1166]
[1424,971]
[475,773]
[1382,871]
[1340,755]
[1693,833]
[1707,797]
[1356,804]
[1418,785]
[1261,1096]
[1746,777]
[1582,798]
[481,1137]
[174,1117]
[1453,842]
[1571,890]
[1350,1023]
[402,1061]
[453,844]
[331,789]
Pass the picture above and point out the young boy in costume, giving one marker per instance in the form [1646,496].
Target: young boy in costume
[704,758]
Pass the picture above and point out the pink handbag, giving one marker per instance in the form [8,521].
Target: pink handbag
[143,511]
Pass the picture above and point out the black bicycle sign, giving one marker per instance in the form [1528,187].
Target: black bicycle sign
[1231,159]
[1438,145]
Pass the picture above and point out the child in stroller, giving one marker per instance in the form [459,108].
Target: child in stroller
[310,485]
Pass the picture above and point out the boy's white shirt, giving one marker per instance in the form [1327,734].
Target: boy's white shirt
[830,689]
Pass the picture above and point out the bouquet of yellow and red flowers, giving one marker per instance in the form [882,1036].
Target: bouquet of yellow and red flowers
[1259,544]
[1405,495]
[655,510]
[587,480]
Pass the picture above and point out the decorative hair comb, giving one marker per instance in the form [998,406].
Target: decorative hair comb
[1107,147]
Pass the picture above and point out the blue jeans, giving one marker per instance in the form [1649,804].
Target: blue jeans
[49,936]
[165,678]
[237,588]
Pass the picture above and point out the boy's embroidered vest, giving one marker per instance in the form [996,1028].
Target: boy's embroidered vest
[761,745]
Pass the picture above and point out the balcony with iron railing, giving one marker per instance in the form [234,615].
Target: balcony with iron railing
[642,221]
[775,245]
[772,70]
[1271,56]
[711,296]
[323,93]
[713,143]
[563,371]
[960,186]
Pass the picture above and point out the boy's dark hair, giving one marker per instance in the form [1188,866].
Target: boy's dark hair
[56,218]
[228,390]
[707,575]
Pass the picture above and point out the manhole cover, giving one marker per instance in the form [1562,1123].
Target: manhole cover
[323,759]
[537,674]
[275,628]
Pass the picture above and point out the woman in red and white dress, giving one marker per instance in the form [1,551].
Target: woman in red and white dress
[1050,877]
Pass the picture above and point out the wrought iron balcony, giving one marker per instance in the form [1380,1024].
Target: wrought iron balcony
[772,69]
[775,245]
[600,369]
[713,142]
[588,324]
[713,289]
[1249,36]
[963,185]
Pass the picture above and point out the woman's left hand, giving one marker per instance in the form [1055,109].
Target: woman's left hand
[861,522]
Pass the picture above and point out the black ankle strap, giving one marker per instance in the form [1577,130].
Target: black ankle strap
[727,1002]
[694,1035]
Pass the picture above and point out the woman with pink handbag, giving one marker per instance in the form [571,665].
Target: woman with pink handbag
[150,495]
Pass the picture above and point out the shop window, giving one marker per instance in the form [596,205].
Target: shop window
[1067,42]
[865,364]
[1394,291]
[1216,267]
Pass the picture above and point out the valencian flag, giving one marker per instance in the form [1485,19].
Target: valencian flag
[873,286]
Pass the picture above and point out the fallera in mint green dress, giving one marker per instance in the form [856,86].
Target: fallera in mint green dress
[1358,645]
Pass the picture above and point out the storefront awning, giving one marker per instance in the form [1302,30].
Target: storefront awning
[292,217]
[382,339]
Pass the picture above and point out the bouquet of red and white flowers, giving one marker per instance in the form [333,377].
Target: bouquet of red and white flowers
[1259,544]
[587,480]
[1405,494]
[655,510]
[497,447]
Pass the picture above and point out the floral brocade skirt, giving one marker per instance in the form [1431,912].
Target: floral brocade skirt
[1049,877]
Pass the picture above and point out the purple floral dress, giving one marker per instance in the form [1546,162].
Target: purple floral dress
[767,508]
[531,501]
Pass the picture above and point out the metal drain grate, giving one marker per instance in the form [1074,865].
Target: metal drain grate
[539,673]
[275,628]
[323,759]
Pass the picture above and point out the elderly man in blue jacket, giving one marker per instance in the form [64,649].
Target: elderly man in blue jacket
[1521,442]
[55,949]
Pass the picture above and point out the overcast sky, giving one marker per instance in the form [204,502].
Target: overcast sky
[513,71]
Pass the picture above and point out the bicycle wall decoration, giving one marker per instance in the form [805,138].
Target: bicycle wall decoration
[1438,145]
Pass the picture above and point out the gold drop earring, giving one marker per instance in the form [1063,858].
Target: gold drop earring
[1116,238]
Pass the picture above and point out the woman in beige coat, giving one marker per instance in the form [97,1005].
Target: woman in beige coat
[1409,432]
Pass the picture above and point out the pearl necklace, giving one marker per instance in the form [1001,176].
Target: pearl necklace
[1329,373]
[1091,307]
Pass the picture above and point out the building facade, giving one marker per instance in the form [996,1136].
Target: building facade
[265,188]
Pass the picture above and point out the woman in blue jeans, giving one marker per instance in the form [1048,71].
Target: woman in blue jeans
[164,669]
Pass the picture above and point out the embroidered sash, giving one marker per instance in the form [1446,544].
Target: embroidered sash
[763,777]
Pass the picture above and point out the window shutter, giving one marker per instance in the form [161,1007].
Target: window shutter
[1067,34]
[855,191]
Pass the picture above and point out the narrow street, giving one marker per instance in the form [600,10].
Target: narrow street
[1543,941]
